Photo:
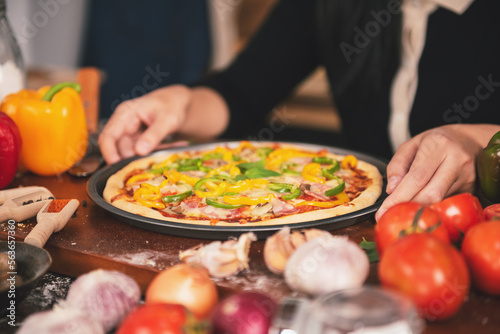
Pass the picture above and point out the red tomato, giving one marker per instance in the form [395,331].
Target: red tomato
[160,318]
[430,272]
[492,212]
[481,249]
[400,218]
[459,213]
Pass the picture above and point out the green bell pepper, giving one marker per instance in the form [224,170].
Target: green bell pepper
[488,169]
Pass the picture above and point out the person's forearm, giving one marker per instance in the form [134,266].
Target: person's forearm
[207,114]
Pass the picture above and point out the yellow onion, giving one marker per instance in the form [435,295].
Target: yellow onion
[185,285]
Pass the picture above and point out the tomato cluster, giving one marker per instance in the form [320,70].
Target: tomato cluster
[432,253]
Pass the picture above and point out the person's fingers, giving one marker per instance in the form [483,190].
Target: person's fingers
[439,185]
[455,174]
[126,147]
[400,164]
[426,162]
[162,125]
[124,121]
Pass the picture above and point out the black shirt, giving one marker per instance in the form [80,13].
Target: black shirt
[459,71]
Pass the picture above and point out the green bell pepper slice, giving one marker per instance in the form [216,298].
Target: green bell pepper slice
[213,202]
[337,189]
[293,190]
[176,198]
[323,160]
[328,172]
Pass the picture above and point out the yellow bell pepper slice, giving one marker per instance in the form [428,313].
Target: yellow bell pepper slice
[227,156]
[245,200]
[310,173]
[349,162]
[139,177]
[148,195]
[243,145]
[233,170]
[239,186]
[280,155]
[246,184]
[175,177]
[213,189]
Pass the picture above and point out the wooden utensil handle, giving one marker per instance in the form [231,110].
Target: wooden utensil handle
[39,235]
[89,79]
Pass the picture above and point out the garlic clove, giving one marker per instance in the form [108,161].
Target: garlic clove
[277,250]
[243,248]
[326,264]
[314,233]
[297,238]
[281,245]
[221,259]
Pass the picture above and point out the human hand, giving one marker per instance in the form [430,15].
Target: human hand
[137,126]
[432,165]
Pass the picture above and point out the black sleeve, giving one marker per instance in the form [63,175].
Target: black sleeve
[279,56]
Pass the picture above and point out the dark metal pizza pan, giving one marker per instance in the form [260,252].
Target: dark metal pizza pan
[96,184]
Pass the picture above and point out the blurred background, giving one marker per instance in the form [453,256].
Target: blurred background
[142,45]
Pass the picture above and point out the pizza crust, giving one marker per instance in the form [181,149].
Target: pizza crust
[367,198]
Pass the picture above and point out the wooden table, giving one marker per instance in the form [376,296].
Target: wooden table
[95,239]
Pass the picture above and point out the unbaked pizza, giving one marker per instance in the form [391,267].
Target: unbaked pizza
[244,183]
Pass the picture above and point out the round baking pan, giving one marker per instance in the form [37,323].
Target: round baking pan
[97,182]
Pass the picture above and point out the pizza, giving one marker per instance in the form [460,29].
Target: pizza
[244,182]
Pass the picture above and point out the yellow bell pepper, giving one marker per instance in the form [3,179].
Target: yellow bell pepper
[311,171]
[52,124]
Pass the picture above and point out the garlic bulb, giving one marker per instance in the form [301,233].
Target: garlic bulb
[281,245]
[60,321]
[106,296]
[221,259]
[326,264]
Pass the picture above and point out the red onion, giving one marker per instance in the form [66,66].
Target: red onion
[107,296]
[243,313]
[60,321]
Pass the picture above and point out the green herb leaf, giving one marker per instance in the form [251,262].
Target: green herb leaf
[240,177]
[370,249]
[251,165]
[256,173]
